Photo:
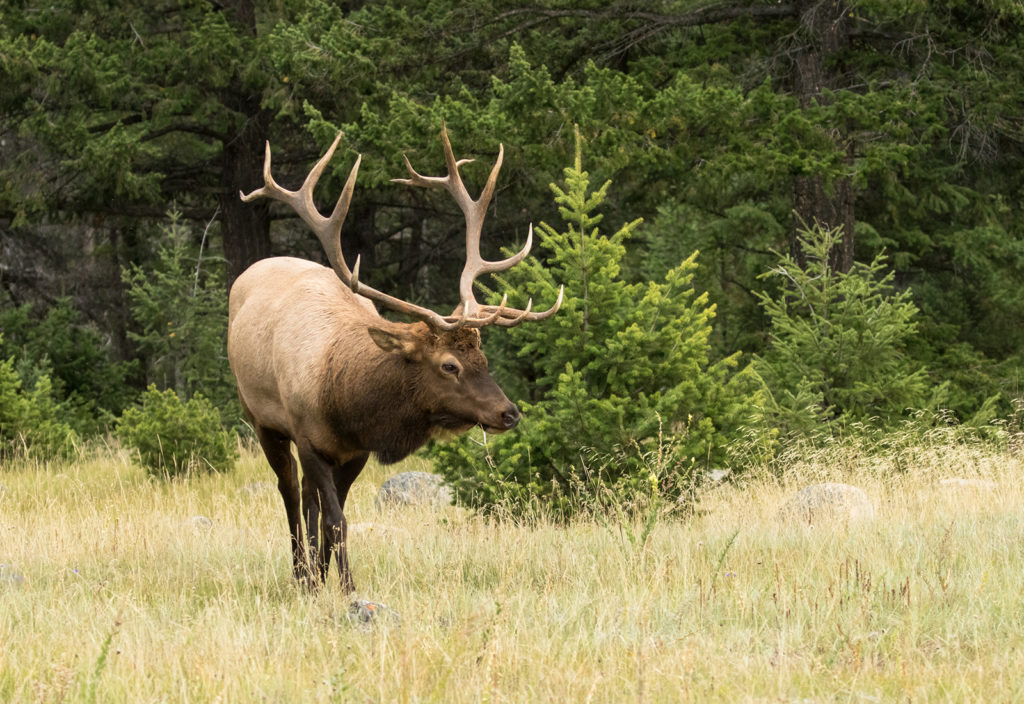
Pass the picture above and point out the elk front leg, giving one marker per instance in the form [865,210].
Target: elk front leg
[317,550]
[344,475]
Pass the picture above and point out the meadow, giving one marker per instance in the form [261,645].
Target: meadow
[116,587]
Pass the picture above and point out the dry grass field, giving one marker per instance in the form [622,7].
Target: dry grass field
[112,590]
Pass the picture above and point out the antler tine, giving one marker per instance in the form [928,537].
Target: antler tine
[354,282]
[515,320]
[416,179]
[327,229]
[493,317]
[470,313]
[539,315]
[491,267]
[485,195]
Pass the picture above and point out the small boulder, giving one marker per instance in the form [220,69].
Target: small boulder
[414,488]
[828,501]
[10,576]
[717,476]
[200,523]
[362,611]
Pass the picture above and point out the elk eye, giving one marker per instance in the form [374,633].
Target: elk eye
[450,368]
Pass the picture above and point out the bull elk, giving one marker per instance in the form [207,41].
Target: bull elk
[317,366]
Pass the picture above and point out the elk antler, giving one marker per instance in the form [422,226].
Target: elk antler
[469,312]
[328,231]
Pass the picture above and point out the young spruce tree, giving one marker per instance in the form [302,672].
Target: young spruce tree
[181,312]
[837,351]
[622,393]
[30,419]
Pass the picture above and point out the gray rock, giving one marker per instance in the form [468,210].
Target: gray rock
[414,488]
[363,612]
[200,523]
[11,576]
[828,501]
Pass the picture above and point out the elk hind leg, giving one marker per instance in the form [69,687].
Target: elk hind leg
[277,447]
[321,499]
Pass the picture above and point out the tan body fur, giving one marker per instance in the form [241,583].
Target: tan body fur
[284,320]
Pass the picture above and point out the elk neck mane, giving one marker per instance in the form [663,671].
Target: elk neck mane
[375,399]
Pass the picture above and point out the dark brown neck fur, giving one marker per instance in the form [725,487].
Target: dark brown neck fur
[374,400]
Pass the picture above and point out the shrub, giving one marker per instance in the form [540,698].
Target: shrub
[617,364]
[836,351]
[87,384]
[31,420]
[173,437]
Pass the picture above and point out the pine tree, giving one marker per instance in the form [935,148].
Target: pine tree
[837,350]
[619,375]
[182,316]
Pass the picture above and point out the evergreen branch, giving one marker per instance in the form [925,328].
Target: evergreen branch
[703,15]
[187,127]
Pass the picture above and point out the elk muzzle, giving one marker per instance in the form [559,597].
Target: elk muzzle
[510,417]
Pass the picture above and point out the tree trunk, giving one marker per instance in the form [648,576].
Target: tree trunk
[814,204]
[825,34]
[358,237]
[245,226]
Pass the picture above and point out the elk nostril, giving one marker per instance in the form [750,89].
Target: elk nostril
[510,417]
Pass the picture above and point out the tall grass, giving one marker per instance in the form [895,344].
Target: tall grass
[127,598]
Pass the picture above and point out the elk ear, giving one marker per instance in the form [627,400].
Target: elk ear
[392,342]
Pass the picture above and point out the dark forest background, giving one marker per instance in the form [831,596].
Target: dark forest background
[127,131]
